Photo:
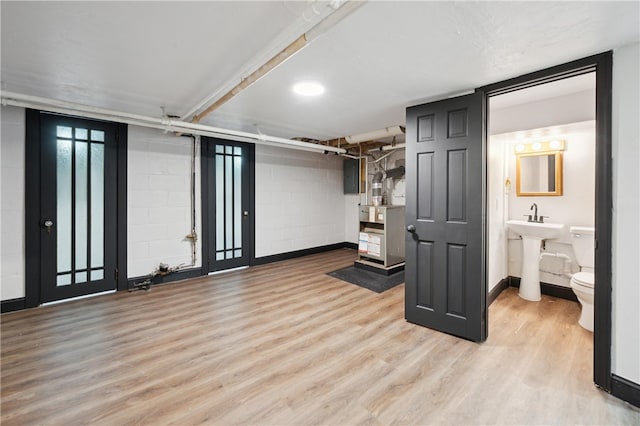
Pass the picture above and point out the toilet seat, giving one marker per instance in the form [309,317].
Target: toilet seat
[584,279]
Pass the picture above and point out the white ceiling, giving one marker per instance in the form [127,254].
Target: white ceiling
[386,55]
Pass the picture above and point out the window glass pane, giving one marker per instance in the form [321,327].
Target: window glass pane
[237,200]
[220,256]
[63,280]
[228,202]
[229,254]
[81,277]
[220,149]
[63,132]
[237,150]
[81,205]
[81,134]
[219,202]
[63,209]
[237,253]
[97,135]
[97,205]
[229,149]
[97,275]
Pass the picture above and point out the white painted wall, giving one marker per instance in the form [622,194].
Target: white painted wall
[12,152]
[576,207]
[571,108]
[159,200]
[626,213]
[351,218]
[300,201]
[496,210]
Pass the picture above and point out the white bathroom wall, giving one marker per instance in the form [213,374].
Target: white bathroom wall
[534,120]
[300,201]
[571,108]
[12,152]
[626,213]
[576,207]
[496,210]
[159,200]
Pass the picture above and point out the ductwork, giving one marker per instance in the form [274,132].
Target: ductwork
[379,178]
[377,134]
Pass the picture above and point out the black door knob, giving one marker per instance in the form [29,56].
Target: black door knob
[411,228]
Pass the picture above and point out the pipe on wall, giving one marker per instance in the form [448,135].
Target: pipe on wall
[168,125]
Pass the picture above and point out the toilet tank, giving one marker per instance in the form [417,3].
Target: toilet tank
[583,241]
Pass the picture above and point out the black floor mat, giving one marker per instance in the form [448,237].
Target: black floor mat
[367,279]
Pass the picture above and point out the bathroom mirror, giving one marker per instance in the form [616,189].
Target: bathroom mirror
[539,174]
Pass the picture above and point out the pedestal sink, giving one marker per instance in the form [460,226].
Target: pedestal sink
[532,234]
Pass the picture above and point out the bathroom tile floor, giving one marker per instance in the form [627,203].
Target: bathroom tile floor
[286,344]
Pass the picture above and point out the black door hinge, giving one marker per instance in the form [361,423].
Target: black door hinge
[115,274]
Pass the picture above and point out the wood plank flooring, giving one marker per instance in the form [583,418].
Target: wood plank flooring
[284,344]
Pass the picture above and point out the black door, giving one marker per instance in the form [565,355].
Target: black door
[445,255]
[229,203]
[78,207]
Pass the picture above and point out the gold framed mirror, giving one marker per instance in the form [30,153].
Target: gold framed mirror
[539,169]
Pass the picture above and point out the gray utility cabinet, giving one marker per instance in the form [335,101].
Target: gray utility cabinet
[381,238]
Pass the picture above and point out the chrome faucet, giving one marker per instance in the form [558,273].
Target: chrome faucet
[535,213]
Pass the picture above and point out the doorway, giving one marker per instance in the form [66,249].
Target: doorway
[601,65]
[418,281]
[228,221]
[72,207]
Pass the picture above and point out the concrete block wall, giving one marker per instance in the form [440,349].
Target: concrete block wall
[300,200]
[12,159]
[159,199]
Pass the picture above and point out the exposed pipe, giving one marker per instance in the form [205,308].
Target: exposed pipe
[567,272]
[337,11]
[381,158]
[282,56]
[193,236]
[376,188]
[392,147]
[376,134]
[65,107]
[378,179]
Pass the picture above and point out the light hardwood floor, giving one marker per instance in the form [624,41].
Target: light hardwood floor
[285,343]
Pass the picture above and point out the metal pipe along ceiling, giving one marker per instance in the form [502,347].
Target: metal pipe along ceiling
[377,134]
[168,125]
[337,11]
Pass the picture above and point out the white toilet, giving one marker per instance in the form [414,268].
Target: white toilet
[582,283]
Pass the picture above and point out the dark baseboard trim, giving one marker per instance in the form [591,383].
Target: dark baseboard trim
[549,289]
[184,274]
[12,305]
[350,245]
[495,292]
[626,390]
[299,253]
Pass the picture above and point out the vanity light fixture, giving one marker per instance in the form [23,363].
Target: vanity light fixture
[308,88]
[538,147]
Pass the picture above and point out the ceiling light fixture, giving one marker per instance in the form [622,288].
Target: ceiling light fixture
[308,88]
